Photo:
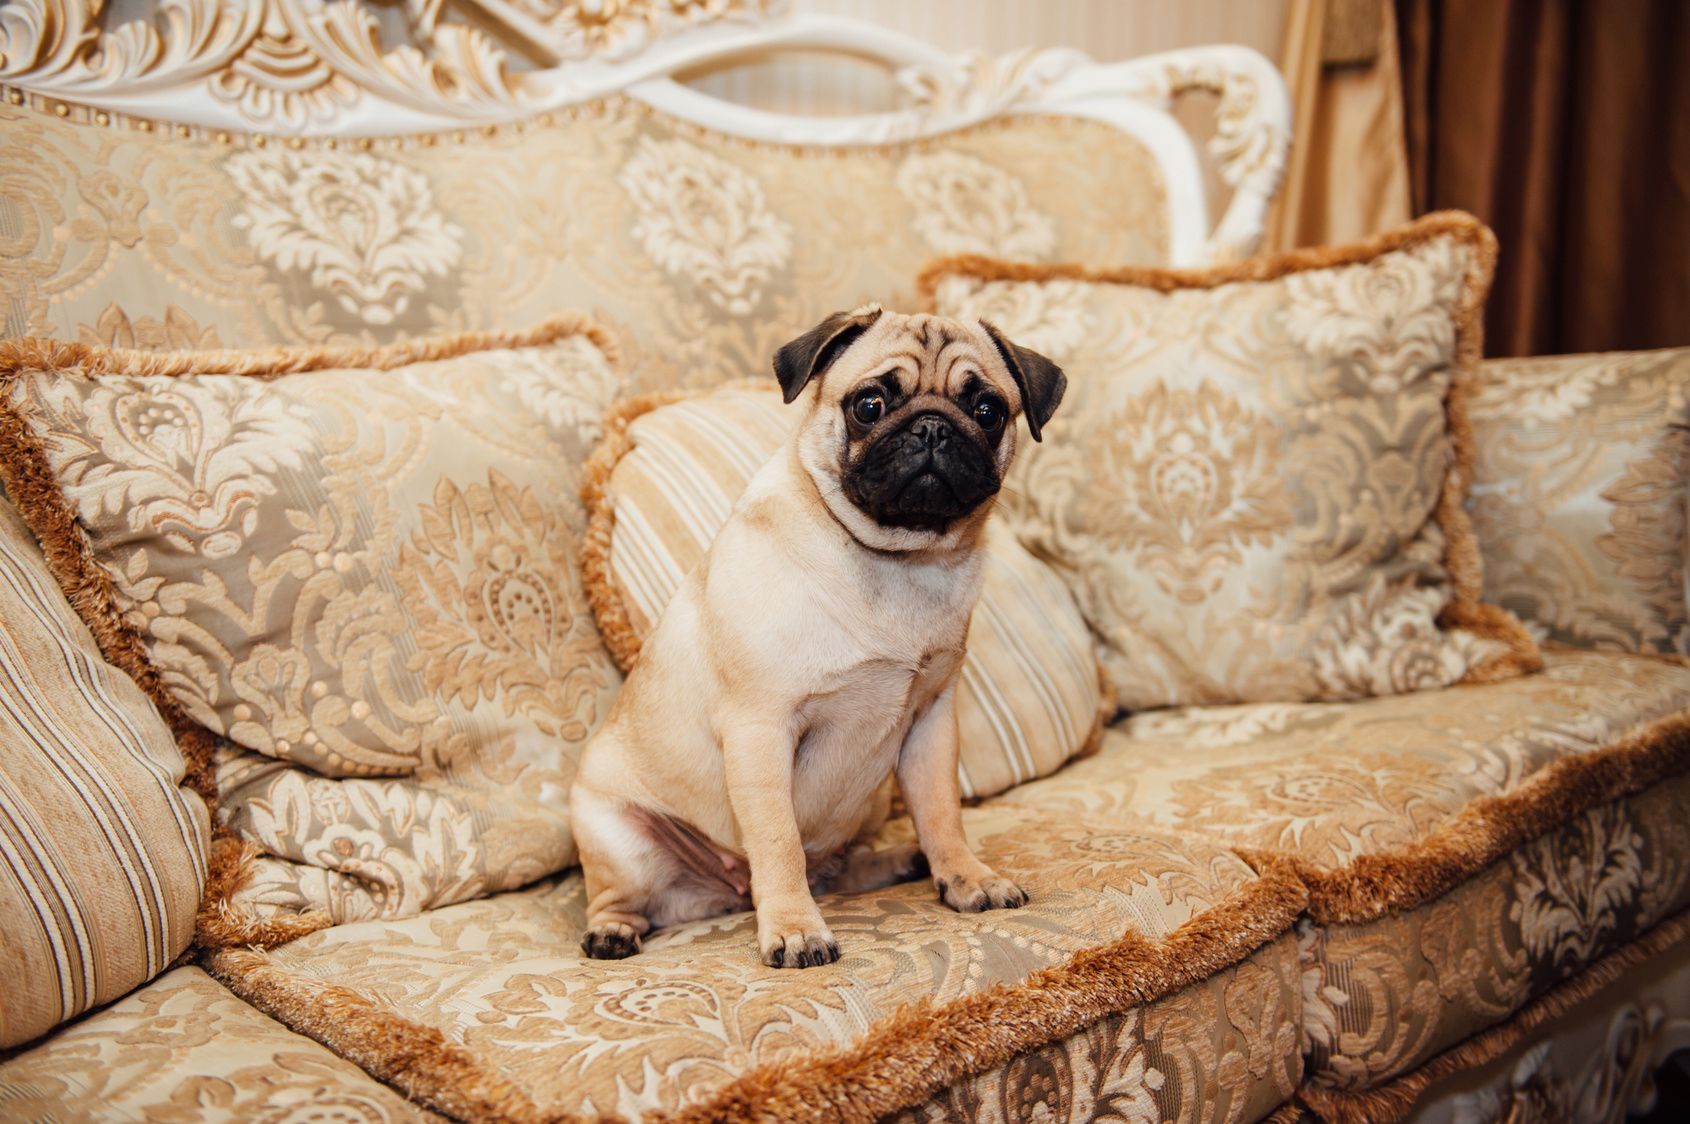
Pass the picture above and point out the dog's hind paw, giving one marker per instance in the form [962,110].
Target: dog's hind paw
[611,942]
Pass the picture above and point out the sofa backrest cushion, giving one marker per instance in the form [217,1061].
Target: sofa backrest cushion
[702,252]
[356,569]
[102,848]
[662,484]
[1580,491]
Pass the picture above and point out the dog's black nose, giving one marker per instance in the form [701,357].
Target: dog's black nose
[932,429]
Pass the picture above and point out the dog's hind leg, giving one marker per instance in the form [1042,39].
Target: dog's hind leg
[869,869]
[621,869]
[863,867]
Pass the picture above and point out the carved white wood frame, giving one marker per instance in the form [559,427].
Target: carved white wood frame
[319,68]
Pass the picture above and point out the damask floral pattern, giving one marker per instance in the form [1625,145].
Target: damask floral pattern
[1246,485]
[1222,1050]
[1410,986]
[1579,496]
[358,574]
[703,252]
[360,227]
[1331,783]
[503,978]
[184,1049]
[706,220]
[965,205]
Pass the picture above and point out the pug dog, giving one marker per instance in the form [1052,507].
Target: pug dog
[814,654]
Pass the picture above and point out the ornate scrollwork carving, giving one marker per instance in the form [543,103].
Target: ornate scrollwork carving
[280,65]
[613,30]
[1252,122]
[331,68]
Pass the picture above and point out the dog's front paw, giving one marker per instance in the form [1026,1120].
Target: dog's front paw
[611,942]
[974,893]
[797,942]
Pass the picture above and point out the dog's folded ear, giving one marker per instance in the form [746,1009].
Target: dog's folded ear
[811,353]
[1041,382]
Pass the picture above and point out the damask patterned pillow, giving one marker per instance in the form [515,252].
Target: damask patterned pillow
[664,481]
[356,572]
[1579,496]
[1255,484]
[102,846]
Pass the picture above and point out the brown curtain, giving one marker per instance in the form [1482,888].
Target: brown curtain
[1565,125]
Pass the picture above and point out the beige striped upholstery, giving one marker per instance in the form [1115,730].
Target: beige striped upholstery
[1030,698]
[102,853]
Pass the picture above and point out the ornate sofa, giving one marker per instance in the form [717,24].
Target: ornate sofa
[1459,904]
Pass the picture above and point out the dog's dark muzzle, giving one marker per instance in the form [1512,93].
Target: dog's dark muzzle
[924,475]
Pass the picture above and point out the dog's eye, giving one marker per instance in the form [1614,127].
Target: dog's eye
[989,413]
[868,407]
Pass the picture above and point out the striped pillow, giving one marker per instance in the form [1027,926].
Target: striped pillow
[102,852]
[661,485]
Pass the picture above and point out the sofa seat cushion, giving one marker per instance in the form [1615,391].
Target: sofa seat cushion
[183,1048]
[1464,850]
[1166,961]
[1387,995]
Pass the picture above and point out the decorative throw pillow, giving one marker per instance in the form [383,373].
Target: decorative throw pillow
[102,849]
[1255,485]
[1579,496]
[664,481]
[357,571]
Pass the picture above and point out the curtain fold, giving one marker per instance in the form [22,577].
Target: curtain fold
[1347,174]
[1565,125]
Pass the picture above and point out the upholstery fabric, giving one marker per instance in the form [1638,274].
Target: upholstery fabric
[1334,787]
[184,1049]
[102,851]
[1222,1049]
[702,252]
[1254,486]
[1384,997]
[1596,1061]
[357,570]
[1579,494]
[503,980]
[1329,784]
[663,483]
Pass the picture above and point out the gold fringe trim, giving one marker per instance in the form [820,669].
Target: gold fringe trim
[223,924]
[1288,1113]
[1461,552]
[28,475]
[902,1060]
[417,1060]
[1393,1101]
[609,609]
[1375,885]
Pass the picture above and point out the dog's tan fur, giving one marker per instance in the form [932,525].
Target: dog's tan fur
[811,656]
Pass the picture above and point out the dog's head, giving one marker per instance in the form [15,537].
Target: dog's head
[912,423]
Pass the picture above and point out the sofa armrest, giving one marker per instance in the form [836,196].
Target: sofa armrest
[1581,477]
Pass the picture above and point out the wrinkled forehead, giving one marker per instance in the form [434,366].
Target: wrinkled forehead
[924,353]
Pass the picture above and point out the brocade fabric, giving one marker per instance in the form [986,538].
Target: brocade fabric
[1580,489]
[184,1049]
[1254,484]
[365,583]
[702,252]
